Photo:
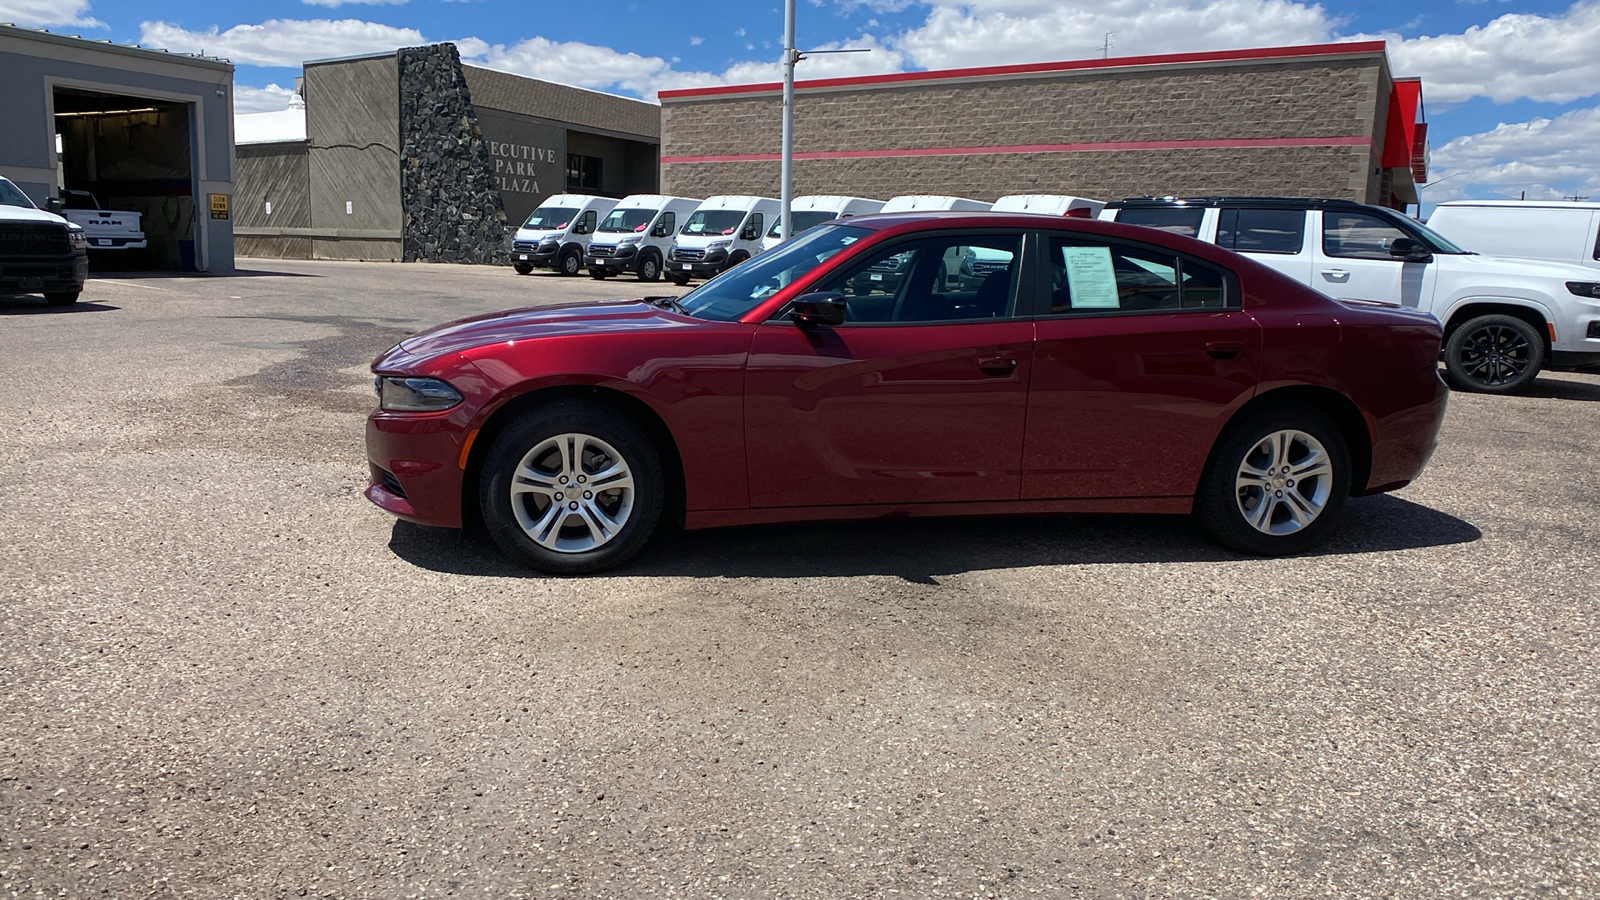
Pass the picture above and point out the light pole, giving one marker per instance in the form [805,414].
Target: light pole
[791,57]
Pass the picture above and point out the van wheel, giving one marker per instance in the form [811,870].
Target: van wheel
[571,261]
[678,278]
[649,268]
[572,489]
[62,298]
[523,269]
[736,257]
[1496,354]
[598,274]
[1276,482]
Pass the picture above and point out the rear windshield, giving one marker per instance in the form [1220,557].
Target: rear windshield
[1184,220]
[550,218]
[713,221]
[628,220]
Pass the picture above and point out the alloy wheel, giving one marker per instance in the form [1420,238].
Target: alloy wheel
[1284,482]
[572,493]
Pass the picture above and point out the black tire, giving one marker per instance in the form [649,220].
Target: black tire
[613,432]
[523,268]
[570,262]
[649,268]
[678,278]
[1221,503]
[1496,354]
[598,274]
[62,298]
[738,256]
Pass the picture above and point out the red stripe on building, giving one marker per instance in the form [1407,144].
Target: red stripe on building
[1101,147]
[1167,59]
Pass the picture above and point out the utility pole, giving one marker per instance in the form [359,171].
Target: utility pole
[1105,47]
[791,56]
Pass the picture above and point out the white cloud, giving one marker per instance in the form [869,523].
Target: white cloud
[282,42]
[696,40]
[1515,56]
[271,98]
[1548,158]
[337,3]
[40,13]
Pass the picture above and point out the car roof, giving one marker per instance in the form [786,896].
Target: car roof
[1241,202]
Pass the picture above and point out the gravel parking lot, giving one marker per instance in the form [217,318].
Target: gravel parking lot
[225,674]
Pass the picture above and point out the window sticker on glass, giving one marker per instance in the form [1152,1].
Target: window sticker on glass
[1091,277]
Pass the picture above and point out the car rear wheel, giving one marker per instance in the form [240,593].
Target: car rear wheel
[62,298]
[649,268]
[1276,482]
[523,269]
[571,261]
[573,489]
[1495,354]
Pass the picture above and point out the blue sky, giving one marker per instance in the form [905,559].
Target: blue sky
[1511,87]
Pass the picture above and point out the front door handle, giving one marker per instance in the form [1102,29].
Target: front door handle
[1335,274]
[997,366]
[1224,349]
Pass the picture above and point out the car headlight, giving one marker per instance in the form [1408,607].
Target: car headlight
[401,394]
[1584,288]
[77,239]
[631,239]
[719,245]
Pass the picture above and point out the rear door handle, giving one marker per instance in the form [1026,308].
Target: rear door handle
[997,366]
[1224,349]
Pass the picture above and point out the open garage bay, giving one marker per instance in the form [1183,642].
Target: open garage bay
[225,674]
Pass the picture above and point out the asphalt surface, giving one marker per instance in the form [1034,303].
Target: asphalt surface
[225,674]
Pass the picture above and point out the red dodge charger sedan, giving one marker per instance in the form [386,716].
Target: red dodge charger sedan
[1013,364]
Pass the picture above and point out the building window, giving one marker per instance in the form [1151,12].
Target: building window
[583,172]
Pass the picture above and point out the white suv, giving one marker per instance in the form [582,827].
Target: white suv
[1505,319]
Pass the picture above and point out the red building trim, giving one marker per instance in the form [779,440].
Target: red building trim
[1167,59]
[1100,147]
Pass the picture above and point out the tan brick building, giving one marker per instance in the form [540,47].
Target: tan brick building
[1324,121]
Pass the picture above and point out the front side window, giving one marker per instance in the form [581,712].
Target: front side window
[669,222]
[741,288]
[1184,220]
[1358,236]
[1262,230]
[587,222]
[935,279]
[755,224]
[1088,277]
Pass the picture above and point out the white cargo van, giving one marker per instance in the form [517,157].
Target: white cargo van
[636,235]
[557,233]
[1050,205]
[1532,229]
[723,232]
[1504,318]
[811,211]
[919,202]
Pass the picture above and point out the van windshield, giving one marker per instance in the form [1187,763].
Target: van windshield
[550,218]
[802,220]
[11,195]
[628,220]
[713,221]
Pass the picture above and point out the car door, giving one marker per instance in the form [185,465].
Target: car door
[1353,262]
[1142,355]
[918,397]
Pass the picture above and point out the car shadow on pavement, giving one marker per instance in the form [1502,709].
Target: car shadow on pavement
[1557,389]
[920,549]
[36,306]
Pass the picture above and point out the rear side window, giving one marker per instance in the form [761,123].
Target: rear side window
[1090,277]
[1262,230]
[1597,245]
[1358,236]
[1184,220]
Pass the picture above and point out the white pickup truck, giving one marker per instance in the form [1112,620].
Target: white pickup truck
[106,229]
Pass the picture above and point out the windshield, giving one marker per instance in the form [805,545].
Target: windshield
[1441,244]
[738,290]
[628,220]
[713,221]
[11,195]
[803,220]
[550,218]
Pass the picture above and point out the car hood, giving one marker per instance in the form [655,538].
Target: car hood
[1517,266]
[19,214]
[566,320]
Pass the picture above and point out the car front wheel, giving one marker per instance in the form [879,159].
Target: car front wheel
[1276,482]
[649,268]
[62,298]
[573,489]
[571,262]
[1495,354]
[523,269]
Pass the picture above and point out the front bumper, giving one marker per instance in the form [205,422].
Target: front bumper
[540,257]
[414,467]
[624,258]
[46,275]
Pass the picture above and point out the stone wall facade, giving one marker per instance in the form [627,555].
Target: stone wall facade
[1301,125]
[451,210]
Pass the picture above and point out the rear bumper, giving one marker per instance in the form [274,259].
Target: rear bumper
[118,243]
[1405,442]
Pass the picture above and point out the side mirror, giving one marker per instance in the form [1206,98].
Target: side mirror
[660,231]
[580,229]
[53,205]
[749,234]
[819,310]
[1410,250]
